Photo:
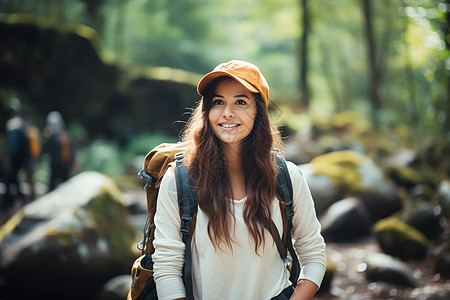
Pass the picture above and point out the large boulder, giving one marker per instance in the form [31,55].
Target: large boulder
[63,68]
[346,219]
[399,239]
[347,173]
[68,243]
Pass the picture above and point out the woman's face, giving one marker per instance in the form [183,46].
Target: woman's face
[233,112]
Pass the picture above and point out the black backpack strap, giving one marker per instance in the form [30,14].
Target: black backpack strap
[284,189]
[278,242]
[188,205]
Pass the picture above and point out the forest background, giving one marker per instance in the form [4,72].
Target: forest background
[123,71]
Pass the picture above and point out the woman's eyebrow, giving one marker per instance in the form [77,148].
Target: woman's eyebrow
[240,96]
[235,96]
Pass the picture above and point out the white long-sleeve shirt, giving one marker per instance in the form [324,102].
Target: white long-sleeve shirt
[237,273]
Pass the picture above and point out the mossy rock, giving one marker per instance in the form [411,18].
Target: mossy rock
[399,239]
[347,170]
[81,231]
[347,173]
[405,176]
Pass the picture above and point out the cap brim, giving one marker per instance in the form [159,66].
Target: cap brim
[210,77]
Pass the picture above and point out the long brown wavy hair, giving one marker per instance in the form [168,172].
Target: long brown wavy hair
[207,166]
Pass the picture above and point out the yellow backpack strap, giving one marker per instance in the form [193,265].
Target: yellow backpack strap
[283,218]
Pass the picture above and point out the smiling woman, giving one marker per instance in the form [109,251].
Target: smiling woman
[229,157]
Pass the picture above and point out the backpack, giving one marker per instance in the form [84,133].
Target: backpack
[156,163]
[66,155]
[33,140]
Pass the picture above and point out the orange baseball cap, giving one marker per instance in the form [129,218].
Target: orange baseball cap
[243,72]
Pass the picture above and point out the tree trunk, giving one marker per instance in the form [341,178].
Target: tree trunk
[374,75]
[304,87]
[94,16]
[446,32]
[119,36]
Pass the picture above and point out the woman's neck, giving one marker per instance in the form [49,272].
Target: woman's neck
[232,157]
[235,172]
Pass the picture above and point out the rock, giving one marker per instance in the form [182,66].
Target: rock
[123,93]
[136,203]
[405,176]
[443,197]
[382,202]
[325,287]
[401,158]
[399,239]
[116,289]
[344,220]
[422,216]
[323,191]
[68,243]
[382,267]
[333,175]
[442,261]
[300,148]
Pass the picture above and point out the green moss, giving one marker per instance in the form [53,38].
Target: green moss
[331,266]
[349,121]
[106,207]
[409,174]
[125,181]
[66,237]
[342,168]
[106,214]
[401,229]
[287,115]
[11,224]
[399,239]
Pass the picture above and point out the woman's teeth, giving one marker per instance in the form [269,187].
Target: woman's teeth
[229,125]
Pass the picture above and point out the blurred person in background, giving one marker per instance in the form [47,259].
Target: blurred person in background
[59,147]
[22,151]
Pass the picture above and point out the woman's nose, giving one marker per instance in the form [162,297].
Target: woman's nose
[228,111]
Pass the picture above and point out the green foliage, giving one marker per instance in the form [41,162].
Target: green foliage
[101,156]
[109,158]
[195,35]
[142,144]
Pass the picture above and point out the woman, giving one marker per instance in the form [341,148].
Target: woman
[229,158]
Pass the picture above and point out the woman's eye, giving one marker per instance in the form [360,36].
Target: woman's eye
[241,102]
[217,102]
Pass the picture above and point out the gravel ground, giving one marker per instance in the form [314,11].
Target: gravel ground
[349,281]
